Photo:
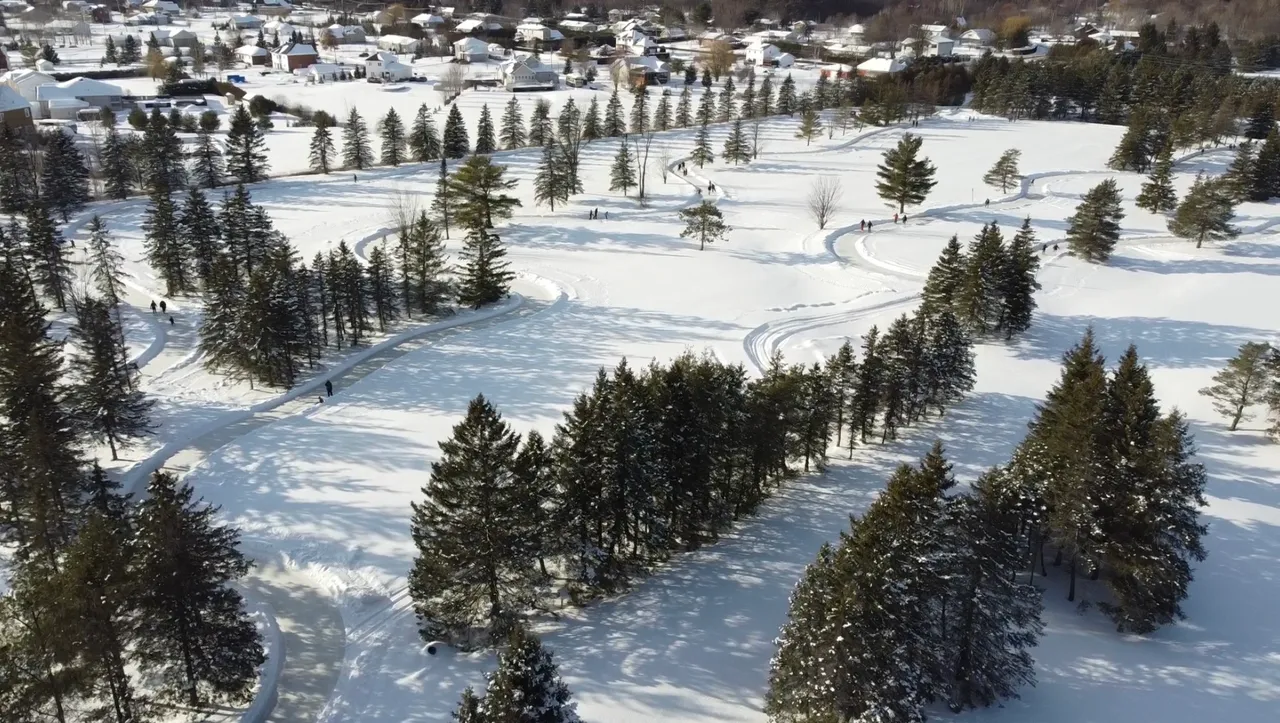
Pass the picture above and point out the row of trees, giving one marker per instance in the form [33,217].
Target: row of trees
[651,462]
[991,289]
[101,592]
[923,600]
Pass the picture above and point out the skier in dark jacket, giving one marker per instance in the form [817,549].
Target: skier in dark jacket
[163,308]
[153,307]
[328,388]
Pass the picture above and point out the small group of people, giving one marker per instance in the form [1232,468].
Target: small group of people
[1045,247]
[904,218]
[711,187]
[864,225]
[163,309]
[594,215]
[682,168]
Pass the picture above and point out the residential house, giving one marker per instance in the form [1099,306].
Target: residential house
[497,52]
[62,101]
[637,43]
[981,37]
[857,33]
[399,43]
[15,111]
[323,72]
[179,39]
[527,73]
[836,70]
[100,14]
[252,55]
[347,34]
[150,18]
[387,67]
[481,23]
[784,60]
[880,66]
[294,56]
[575,25]
[167,7]
[245,21]
[643,70]
[937,31]
[774,36]
[275,8]
[710,37]
[939,47]
[279,27]
[68,28]
[673,35]
[531,32]
[471,50]
[764,54]
[25,82]
[76,6]
[800,28]
[427,21]
[14,7]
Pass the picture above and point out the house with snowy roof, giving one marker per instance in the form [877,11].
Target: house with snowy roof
[62,101]
[252,55]
[387,67]
[427,21]
[15,111]
[294,56]
[399,43]
[162,6]
[527,73]
[245,21]
[880,66]
[471,50]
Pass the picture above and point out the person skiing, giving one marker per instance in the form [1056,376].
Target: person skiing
[895,218]
[862,225]
[319,400]
[868,227]
[163,310]
[1044,247]
[170,321]
[353,178]
[904,219]
[987,203]
[1055,247]
[153,307]
[328,388]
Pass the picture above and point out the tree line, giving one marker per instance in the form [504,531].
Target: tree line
[650,462]
[102,592]
[924,599]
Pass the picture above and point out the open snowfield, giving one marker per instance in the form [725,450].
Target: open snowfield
[327,487]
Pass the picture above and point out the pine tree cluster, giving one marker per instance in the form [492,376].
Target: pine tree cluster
[991,289]
[648,463]
[101,593]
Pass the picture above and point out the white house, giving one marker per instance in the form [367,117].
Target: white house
[26,82]
[478,25]
[528,32]
[63,100]
[471,50]
[978,36]
[762,54]
[939,47]
[279,8]
[76,6]
[323,72]
[399,43]
[785,60]
[651,69]
[245,21]
[881,66]
[636,42]
[162,6]
[937,30]
[774,36]
[575,25]
[427,21]
[345,34]
[252,55]
[386,66]
[527,72]
[279,27]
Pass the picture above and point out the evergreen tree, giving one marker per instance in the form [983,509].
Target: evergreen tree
[50,264]
[162,156]
[456,143]
[787,96]
[476,192]
[356,151]
[1157,194]
[549,185]
[107,401]
[472,566]
[443,201]
[484,278]
[199,227]
[1239,176]
[764,99]
[1206,212]
[512,126]
[591,127]
[42,486]
[622,175]
[662,113]
[64,180]
[1019,285]
[381,285]
[322,148]
[17,180]
[950,361]
[1244,382]
[703,222]
[1263,121]
[1265,178]
[614,125]
[701,153]
[866,393]
[904,178]
[802,676]
[207,166]
[1094,229]
[423,263]
[468,710]
[166,251]
[640,111]
[810,126]
[192,628]
[392,132]
[706,109]
[527,685]
[946,278]
[1005,172]
[486,141]
[424,142]
[727,108]
[540,128]
[736,146]
[683,119]
[246,148]
[115,165]
[749,97]
[106,266]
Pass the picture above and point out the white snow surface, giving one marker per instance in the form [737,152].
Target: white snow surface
[329,486]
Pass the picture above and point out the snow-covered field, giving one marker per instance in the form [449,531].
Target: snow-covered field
[329,486]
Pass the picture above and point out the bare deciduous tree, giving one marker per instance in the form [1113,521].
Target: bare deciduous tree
[663,161]
[455,76]
[402,209]
[824,196]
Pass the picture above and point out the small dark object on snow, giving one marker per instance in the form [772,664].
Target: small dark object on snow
[904,218]
[353,178]
[1044,248]
[862,225]
[1055,247]
[988,202]
[163,308]
[328,388]
[319,400]
[171,321]
[153,307]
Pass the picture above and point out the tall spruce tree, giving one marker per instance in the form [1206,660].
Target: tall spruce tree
[549,184]
[193,632]
[486,139]
[483,278]
[424,142]
[639,111]
[512,135]
[787,96]
[614,124]
[905,179]
[108,403]
[380,281]
[115,165]
[736,146]
[1005,172]
[442,203]
[161,156]
[946,278]
[1157,195]
[1239,176]
[357,153]
[64,178]
[1264,180]
[591,124]
[106,266]
[527,685]
[47,255]
[198,226]
[727,107]
[17,178]
[1206,212]
[455,143]
[683,119]
[702,153]
[1019,285]
[980,298]
[472,567]
[207,166]
[622,174]
[1094,229]
[322,153]
[391,129]
[662,112]
[246,148]
[476,191]
[810,126]
[541,128]
[166,249]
